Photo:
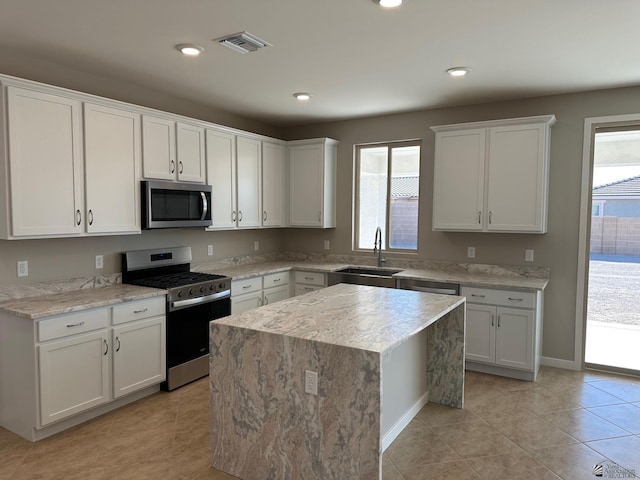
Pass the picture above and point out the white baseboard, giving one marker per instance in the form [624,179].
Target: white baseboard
[559,363]
[400,425]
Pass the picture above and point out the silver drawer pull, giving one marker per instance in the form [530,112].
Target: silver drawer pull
[71,325]
[308,288]
[479,296]
[247,286]
[516,299]
[308,278]
[141,311]
[276,279]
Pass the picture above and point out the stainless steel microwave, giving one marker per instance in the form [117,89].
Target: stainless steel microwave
[175,204]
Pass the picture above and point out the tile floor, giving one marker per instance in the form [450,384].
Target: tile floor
[558,427]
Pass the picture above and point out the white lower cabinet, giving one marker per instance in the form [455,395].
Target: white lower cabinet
[254,292]
[309,281]
[72,367]
[503,332]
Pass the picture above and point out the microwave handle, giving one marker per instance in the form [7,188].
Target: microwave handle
[205,205]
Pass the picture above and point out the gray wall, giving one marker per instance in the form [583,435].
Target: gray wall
[558,249]
[63,258]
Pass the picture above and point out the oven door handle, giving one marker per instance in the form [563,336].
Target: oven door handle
[178,304]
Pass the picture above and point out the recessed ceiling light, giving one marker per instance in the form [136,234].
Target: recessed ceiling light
[189,49]
[458,71]
[302,96]
[388,3]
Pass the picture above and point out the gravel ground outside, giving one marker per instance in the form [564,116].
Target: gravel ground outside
[614,289]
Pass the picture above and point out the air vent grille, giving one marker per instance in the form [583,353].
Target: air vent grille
[243,42]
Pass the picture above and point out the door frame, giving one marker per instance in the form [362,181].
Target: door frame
[584,240]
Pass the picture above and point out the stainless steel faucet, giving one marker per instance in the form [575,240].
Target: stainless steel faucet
[377,247]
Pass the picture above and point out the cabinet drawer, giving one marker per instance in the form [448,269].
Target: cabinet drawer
[311,278]
[275,279]
[509,298]
[72,323]
[300,289]
[138,309]
[253,284]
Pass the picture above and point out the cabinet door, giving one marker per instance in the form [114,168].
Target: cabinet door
[112,140]
[45,164]
[480,334]
[517,179]
[306,185]
[272,295]
[138,355]
[273,184]
[248,301]
[158,148]
[249,174]
[74,375]
[221,175]
[514,338]
[190,153]
[458,188]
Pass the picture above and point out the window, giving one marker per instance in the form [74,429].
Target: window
[386,195]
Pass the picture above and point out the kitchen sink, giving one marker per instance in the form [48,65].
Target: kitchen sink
[375,277]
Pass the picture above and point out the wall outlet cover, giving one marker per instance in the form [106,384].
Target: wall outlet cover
[99,262]
[209,250]
[327,244]
[528,255]
[23,268]
[471,252]
[311,382]
[256,245]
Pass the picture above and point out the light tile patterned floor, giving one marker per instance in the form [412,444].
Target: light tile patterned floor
[558,427]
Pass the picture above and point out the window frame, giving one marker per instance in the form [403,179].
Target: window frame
[356,195]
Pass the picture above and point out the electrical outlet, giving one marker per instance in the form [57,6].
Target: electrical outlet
[256,245]
[209,250]
[311,382]
[471,252]
[528,255]
[327,244]
[99,261]
[23,268]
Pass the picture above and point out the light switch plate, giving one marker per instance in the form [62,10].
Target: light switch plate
[209,250]
[327,245]
[256,245]
[528,255]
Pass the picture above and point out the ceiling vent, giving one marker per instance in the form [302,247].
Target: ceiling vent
[243,42]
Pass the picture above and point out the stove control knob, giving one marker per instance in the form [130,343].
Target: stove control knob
[202,289]
[223,286]
[191,291]
[212,286]
[180,293]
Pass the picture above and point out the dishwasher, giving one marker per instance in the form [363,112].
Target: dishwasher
[429,286]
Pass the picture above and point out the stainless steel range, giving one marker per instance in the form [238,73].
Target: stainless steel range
[193,300]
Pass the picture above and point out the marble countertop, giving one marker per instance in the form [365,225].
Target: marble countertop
[481,276]
[367,318]
[36,307]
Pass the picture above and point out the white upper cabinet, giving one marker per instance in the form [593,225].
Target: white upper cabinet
[312,183]
[191,154]
[172,150]
[112,169]
[274,189]
[44,146]
[249,184]
[221,175]
[492,176]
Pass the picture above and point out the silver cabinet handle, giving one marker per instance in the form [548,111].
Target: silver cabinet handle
[308,288]
[498,320]
[106,347]
[181,167]
[479,215]
[173,166]
[308,278]
[516,299]
[141,311]
[233,216]
[239,215]
[118,340]
[205,205]
[247,286]
[490,215]
[260,302]
[266,300]
[277,279]
[319,215]
[71,325]
[90,217]
[478,296]
[264,216]
[78,217]
[492,320]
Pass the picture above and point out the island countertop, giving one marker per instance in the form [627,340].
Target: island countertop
[355,316]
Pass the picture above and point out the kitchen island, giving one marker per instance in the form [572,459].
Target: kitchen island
[379,354]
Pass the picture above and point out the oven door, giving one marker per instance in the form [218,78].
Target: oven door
[188,341]
[174,204]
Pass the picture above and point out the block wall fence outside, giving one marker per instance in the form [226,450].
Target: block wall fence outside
[615,235]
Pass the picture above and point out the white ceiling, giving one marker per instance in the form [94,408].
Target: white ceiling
[356,58]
